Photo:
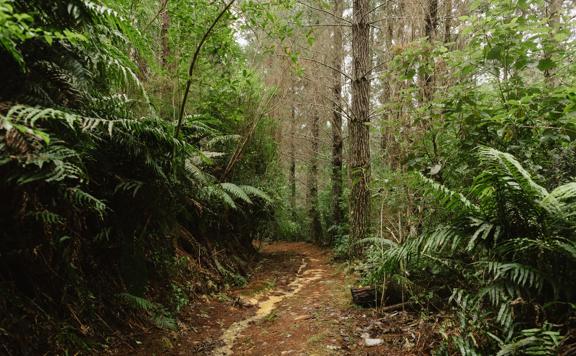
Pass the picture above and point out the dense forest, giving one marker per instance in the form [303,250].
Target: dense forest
[424,149]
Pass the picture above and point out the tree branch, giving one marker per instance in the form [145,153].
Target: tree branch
[193,64]
[162,9]
[324,11]
[375,8]
[321,63]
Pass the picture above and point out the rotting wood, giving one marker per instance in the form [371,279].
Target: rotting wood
[367,297]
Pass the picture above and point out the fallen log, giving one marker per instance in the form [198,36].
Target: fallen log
[370,297]
[367,297]
[396,307]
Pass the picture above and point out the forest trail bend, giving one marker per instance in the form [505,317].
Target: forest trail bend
[296,303]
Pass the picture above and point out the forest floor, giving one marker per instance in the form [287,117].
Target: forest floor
[297,302]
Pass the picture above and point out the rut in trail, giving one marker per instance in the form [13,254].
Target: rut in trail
[282,319]
[266,307]
[313,315]
[297,303]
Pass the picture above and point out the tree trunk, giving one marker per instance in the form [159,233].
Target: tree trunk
[313,213]
[431,22]
[165,25]
[359,129]
[553,8]
[292,169]
[386,88]
[337,213]
[448,21]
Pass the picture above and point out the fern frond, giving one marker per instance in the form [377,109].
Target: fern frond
[561,202]
[255,192]
[442,239]
[536,341]
[195,172]
[447,198]
[80,198]
[220,194]
[137,302]
[236,191]
[129,186]
[522,275]
[511,171]
[164,322]
[156,312]
[46,217]
[483,230]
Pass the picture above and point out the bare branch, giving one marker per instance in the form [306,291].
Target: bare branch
[375,8]
[323,64]
[324,11]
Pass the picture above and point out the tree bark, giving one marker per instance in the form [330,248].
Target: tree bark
[337,212]
[448,21]
[292,168]
[431,22]
[313,213]
[386,87]
[165,25]
[359,126]
[553,8]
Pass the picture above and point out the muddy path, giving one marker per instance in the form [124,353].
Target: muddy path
[296,303]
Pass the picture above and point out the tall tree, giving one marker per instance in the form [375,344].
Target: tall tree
[447,21]
[164,27]
[430,24]
[313,212]
[360,119]
[292,157]
[553,8]
[384,44]
[337,212]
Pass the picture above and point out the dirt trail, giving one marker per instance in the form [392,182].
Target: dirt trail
[296,303]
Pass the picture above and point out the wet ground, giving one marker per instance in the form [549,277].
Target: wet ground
[296,303]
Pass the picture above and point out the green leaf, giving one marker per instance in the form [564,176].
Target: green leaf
[546,64]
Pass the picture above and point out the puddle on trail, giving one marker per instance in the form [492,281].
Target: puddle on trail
[265,308]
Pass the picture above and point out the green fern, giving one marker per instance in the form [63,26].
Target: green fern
[236,191]
[448,199]
[258,193]
[536,341]
[156,312]
[502,256]
[82,199]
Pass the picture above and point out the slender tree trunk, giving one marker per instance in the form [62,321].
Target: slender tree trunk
[553,8]
[313,213]
[165,25]
[359,129]
[292,169]
[386,87]
[337,213]
[448,21]
[431,22]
